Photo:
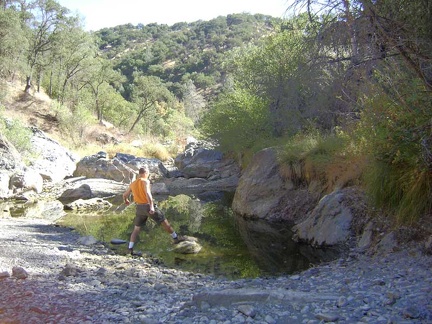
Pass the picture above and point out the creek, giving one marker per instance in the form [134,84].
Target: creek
[232,246]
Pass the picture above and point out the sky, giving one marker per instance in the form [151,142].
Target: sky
[98,14]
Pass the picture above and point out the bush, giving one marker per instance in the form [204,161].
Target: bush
[239,122]
[397,136]
[16,133]
[74,124]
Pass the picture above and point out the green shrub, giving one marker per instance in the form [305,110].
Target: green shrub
[16,133]
[396,133]
[74,124]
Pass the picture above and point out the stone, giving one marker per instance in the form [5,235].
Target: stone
[247,310]
[27,180]
[54,162]
[328,224]
[92,204]
[4,275]
[187,247]
[260,187]
[19,273]
[4,184]
[82,192]
[70,270]
[87,240]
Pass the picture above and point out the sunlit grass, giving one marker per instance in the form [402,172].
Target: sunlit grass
[326,159]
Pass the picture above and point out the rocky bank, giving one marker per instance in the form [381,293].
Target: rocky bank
[49,275]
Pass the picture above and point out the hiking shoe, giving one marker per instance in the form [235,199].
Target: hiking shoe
[135,253]
[179,239]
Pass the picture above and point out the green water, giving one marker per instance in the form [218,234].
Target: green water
[229,247]
[223,253]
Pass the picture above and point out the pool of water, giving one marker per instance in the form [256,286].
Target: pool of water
[232,246]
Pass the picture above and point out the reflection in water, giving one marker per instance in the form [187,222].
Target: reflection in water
[232,246]
[271,247]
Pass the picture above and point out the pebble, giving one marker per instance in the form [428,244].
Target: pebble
[91,284]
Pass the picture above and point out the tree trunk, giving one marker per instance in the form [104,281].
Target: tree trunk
[28,84]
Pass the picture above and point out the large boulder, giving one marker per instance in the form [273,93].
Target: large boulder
[200,161]
[261,187]
[329,224]
[175,186]
[82,188]
[27,180]
[156,167]
[10,159]
[54,163]
[48,210]
[264,193]
[122,168]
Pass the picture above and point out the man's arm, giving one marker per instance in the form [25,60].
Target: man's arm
[126,196]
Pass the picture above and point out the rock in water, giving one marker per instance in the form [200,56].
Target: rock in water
[189,246]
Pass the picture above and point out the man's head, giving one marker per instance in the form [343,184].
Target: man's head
[144,170]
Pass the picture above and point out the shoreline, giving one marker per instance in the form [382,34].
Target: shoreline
[73,283]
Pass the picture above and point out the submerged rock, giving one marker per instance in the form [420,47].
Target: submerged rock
[189,246]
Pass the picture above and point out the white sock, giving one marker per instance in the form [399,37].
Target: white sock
[173,235]
[131,245]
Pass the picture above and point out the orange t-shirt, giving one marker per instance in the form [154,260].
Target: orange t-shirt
[138,191]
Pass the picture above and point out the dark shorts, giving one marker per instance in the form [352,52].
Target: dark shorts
[142,214]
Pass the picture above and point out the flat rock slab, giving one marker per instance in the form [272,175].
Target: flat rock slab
[232,296]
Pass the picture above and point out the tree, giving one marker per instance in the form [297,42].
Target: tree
[193,101]
[238,121]
[147,92]
[380,29]
[98,80]
[46,18]
[13,44]
[73,57]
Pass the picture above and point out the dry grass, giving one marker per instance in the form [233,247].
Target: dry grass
[37,109]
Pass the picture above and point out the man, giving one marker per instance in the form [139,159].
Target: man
[143,198]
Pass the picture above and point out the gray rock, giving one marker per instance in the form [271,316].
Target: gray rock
[386,245]
[49,210]
[54,162]
[261,186]
[19,273]
[187,247]
[10,158]
[247,310]
[4,184]
[27,180]
[87,240]
[328,224]
[92,204]
[82,192]
[4,275]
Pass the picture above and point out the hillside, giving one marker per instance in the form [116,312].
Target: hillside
[36,109]
[184,51]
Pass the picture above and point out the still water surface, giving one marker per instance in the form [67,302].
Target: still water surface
[232,247]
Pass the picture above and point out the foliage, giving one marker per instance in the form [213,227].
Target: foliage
[16,133]
[326,161]
[149,94]
[170,52]
[74,124]
[12,43]
[237,121]
[395,130]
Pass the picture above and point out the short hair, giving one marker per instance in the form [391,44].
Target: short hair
[144,169]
